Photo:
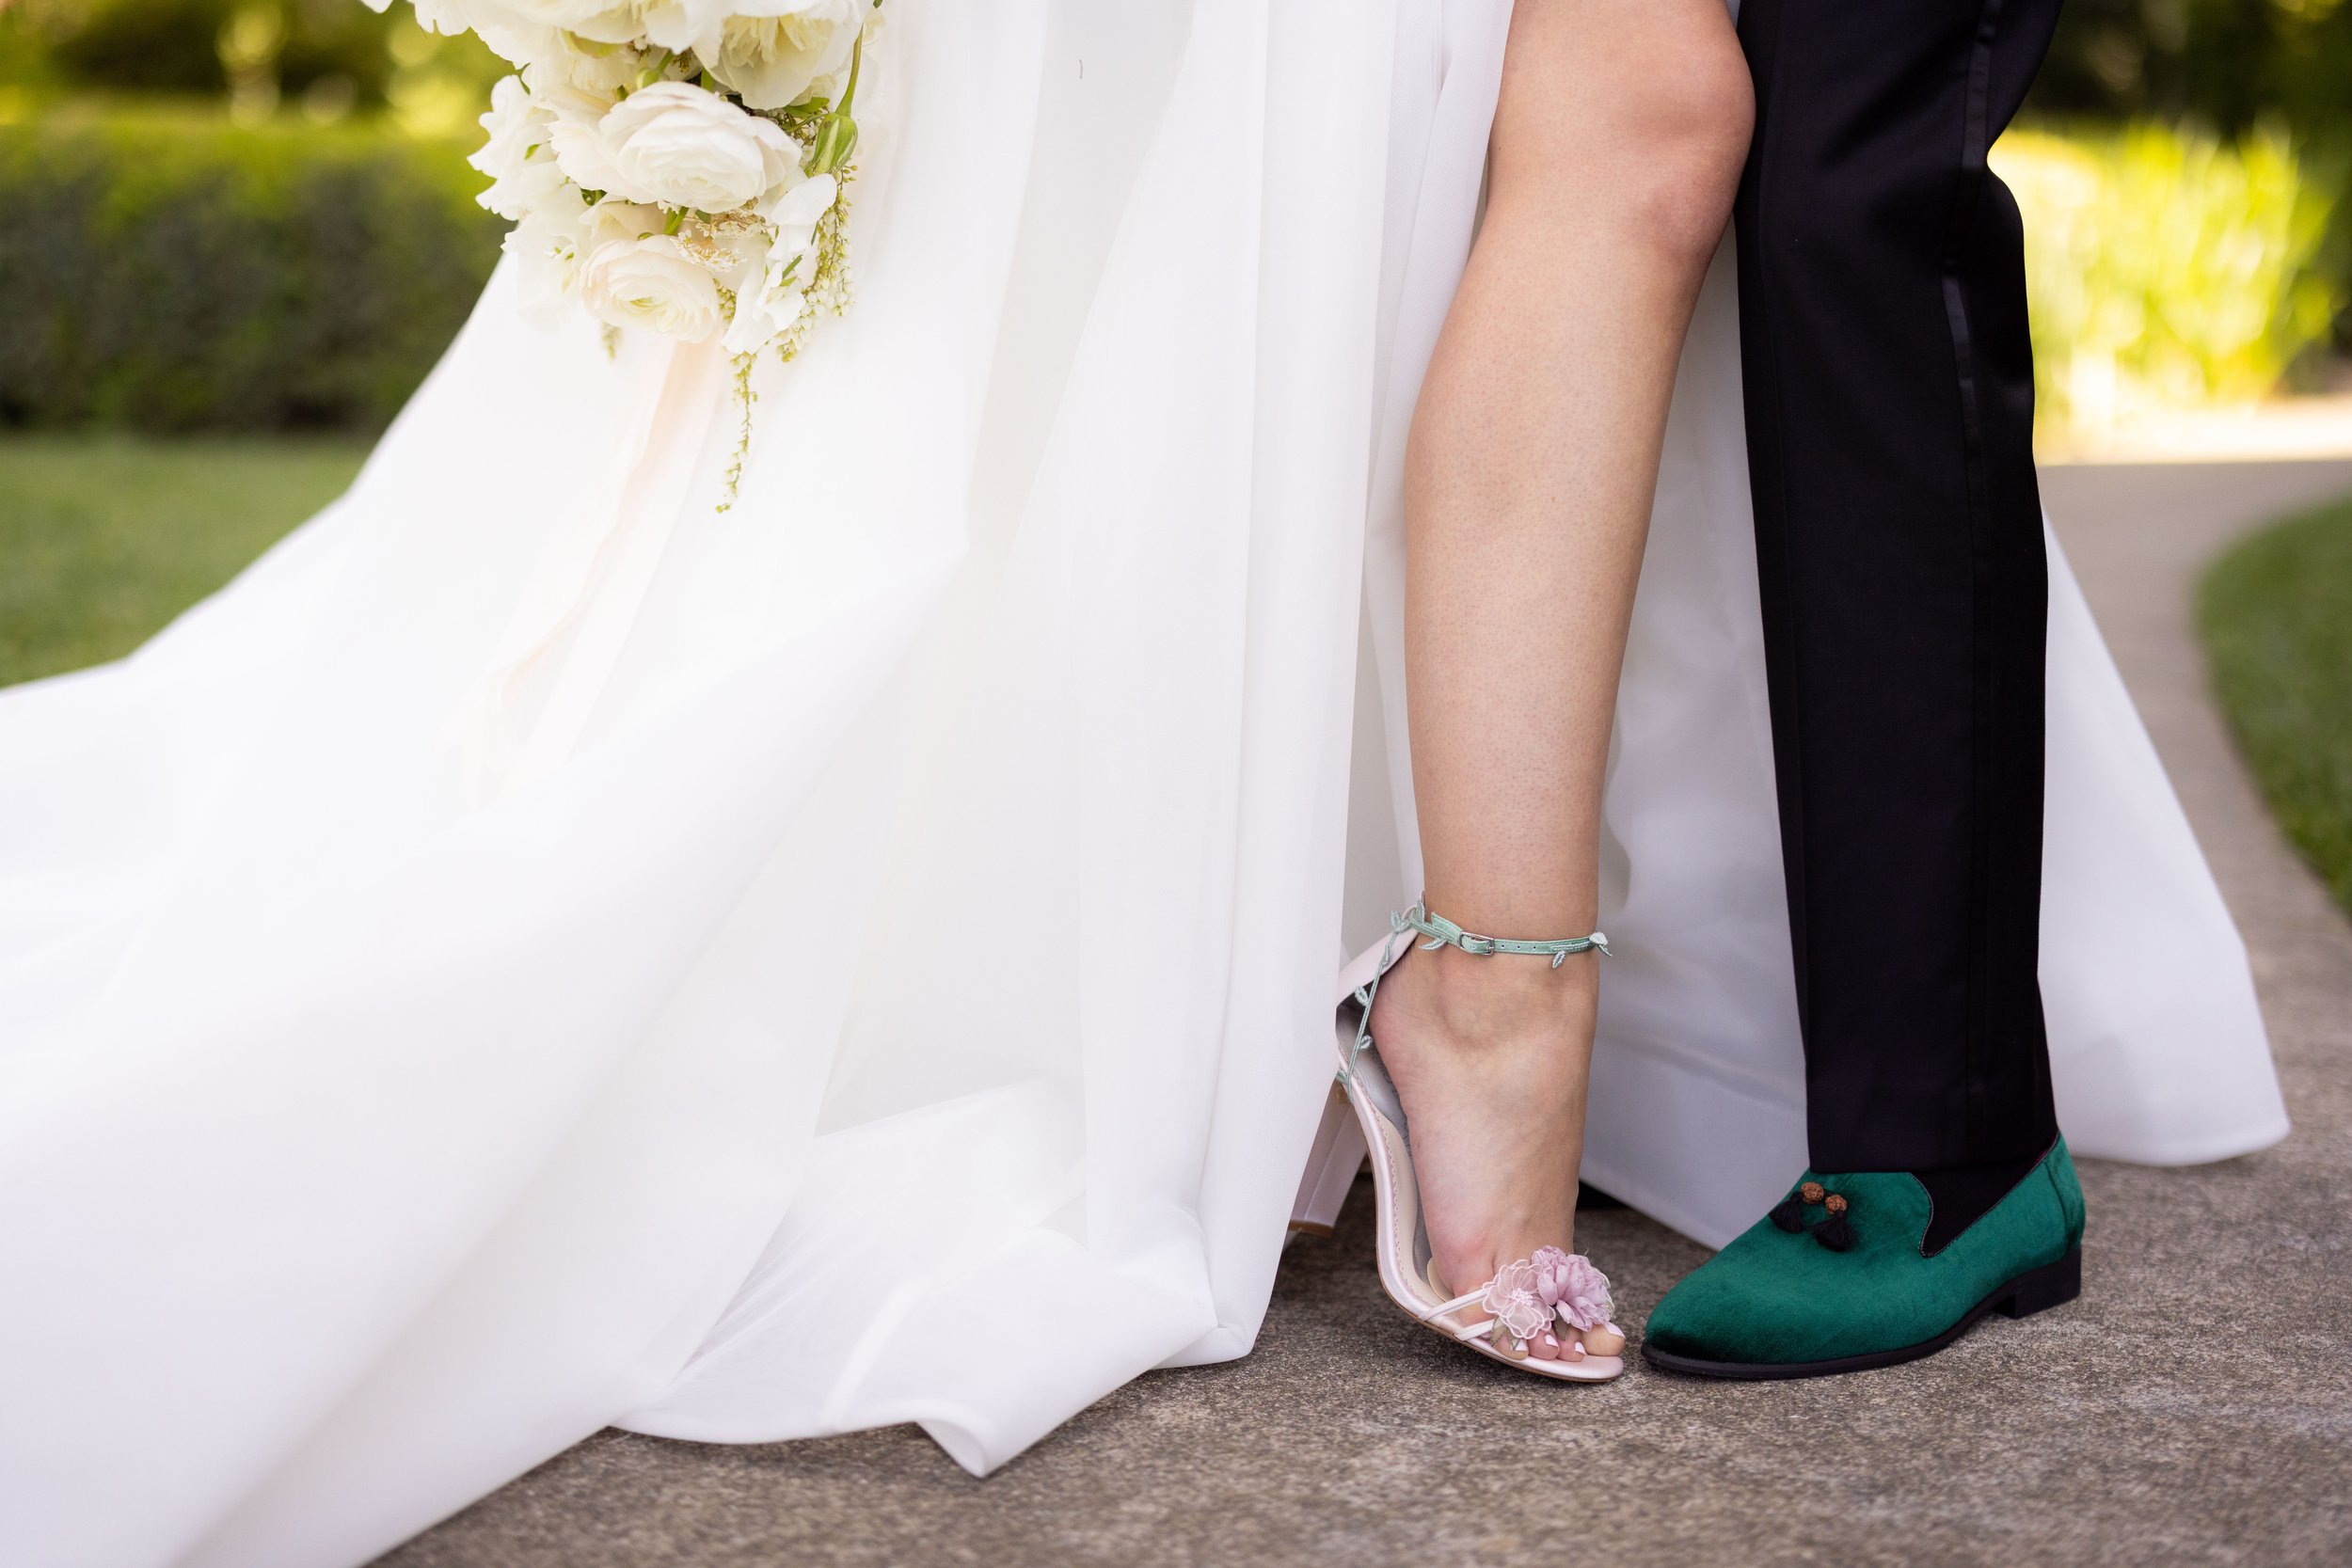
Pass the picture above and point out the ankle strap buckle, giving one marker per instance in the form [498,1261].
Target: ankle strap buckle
[1442,932]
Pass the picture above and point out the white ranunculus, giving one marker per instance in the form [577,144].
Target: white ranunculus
[679,145]
[672,24]
[621,220]
[519,157]
[547,246]
[512,28]
[525,31]
[830,85]
[576,130]
[515,30]
[769,51]
[544,249]
[446,17]
[593,69]
[651,282]
[574,16]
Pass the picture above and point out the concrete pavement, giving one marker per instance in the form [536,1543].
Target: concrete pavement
[2195,1406]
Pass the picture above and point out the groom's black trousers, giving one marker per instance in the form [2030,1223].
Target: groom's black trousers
[1898,536]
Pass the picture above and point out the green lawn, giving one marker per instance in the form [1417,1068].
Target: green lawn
[2278,621]
[104,539]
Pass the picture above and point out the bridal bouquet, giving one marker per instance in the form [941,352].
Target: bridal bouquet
[676,166]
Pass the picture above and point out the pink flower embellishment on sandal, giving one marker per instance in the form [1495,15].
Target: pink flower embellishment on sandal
[1523,1315]
[1568,1284]
[1511,1299]
[1512,1279]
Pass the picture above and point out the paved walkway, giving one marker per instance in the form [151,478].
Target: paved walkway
[2196,1406]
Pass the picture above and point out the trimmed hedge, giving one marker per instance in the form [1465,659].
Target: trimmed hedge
[167,271]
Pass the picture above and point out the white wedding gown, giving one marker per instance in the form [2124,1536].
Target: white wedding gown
[537,952]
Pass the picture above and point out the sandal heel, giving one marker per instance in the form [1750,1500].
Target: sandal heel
[2051,1285]
[1546,1313]
[1332,1165]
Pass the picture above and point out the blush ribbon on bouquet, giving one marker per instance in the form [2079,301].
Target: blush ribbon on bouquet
[674,167]
[528,709]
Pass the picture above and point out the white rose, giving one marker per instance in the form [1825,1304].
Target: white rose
[651,282]
[676,144]
[519,157]
[770,52]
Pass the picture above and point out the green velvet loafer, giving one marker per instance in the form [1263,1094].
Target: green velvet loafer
[1838,1277]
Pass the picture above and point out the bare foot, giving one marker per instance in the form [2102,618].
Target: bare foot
[1490,1056]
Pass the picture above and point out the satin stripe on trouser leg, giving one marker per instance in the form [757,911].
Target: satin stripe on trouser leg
[1899,527]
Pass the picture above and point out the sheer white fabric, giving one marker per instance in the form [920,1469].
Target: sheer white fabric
[538,953]
[1697,1113]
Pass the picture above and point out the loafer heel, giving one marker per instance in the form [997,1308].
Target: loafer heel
[2052,1285]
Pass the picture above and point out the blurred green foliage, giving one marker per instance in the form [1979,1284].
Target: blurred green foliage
[2229,68]
[2168,269]
[324,58]
[2169,265]
[2277,613]
[178,45]
[170,271]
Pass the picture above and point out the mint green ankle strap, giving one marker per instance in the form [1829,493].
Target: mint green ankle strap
[1444,933]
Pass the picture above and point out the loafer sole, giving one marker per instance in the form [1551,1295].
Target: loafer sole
[2035,1290]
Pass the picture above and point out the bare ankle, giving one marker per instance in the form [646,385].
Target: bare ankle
[1504,999]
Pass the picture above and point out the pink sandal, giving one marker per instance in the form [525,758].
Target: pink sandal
[1548,1314]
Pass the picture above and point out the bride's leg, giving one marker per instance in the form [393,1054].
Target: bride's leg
[1617,149]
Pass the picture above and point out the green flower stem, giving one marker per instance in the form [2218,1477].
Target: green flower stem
[836,134]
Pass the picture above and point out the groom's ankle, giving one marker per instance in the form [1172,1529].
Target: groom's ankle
[1965,1193]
